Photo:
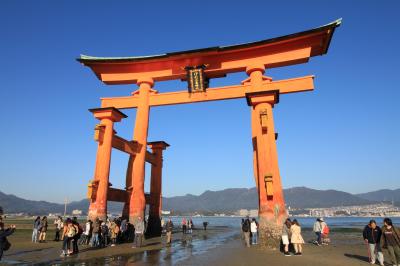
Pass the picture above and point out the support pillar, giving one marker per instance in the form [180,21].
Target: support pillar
[98,187]
[154,222]
[272,212]
[137,202]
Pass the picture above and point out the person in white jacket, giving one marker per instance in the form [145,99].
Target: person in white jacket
[253,230]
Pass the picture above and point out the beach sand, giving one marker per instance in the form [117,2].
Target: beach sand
[216,246]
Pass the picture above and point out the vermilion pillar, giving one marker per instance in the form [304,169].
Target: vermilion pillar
[271,201]
[98,188]
[154,222]
[137,202]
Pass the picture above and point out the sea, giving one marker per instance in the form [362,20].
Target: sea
[305,222]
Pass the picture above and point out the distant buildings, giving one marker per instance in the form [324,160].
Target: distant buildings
[244,212]
[380,209]
[76,212]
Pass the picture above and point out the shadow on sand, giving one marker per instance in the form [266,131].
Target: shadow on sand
[357,257]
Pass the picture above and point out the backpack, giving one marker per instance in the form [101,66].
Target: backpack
[246,226]
[326,230]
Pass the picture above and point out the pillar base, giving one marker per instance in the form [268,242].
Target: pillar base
[153,226]
[93,214]
[271,231]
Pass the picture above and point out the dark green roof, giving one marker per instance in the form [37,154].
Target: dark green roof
[93,59]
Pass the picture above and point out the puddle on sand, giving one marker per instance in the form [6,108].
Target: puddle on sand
[180,249]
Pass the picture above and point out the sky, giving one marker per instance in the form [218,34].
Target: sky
[344,135]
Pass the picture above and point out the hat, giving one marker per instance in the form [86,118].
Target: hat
[321,219]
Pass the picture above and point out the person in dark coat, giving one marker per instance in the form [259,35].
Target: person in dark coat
[372,236]
[3,237]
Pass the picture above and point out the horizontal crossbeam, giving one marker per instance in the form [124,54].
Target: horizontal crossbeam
[213,94]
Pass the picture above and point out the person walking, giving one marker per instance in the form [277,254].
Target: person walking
[43,229]
[286,236]
[139,231]
[58,227]
[4,233]
[168,228]
[372,235]
[94,242]
[205,224]
[390,240]
[324,232]
[253,230]
[296,239]
[35,233]
[317,230]
[246,231]
[184,225]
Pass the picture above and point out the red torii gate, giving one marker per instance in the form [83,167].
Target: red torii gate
[198,66]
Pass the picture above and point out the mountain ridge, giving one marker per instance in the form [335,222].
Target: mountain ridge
[226,200]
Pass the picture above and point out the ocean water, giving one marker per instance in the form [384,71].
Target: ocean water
[305,222]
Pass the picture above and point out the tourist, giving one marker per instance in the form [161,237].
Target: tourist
[190,226]
[162,224]
[124,230]
[296,239]
[35,233]
[253,230]
[103,235]
[4,244]
[184,226]
[43,229]
[286,236]
[58,227]
[390,240]
[246,231]
[205,225]
[114,232]
[139,231]
[317,230]
[94,242]
[324,232]
[372,236]
[241,229]
[78,233]
[168,228]
[68,238]
[65,230]
[86,235]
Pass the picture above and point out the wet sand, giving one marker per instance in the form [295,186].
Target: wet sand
[154,251]
[216,246]
[346,249]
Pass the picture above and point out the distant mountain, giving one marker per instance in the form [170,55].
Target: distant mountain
[302,197]
[227,200]
[214,201]
[382,195]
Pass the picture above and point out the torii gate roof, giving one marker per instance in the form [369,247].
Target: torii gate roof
[280,51]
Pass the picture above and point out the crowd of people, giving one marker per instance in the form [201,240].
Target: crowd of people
[98,234]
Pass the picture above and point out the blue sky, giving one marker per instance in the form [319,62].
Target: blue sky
[344,135]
